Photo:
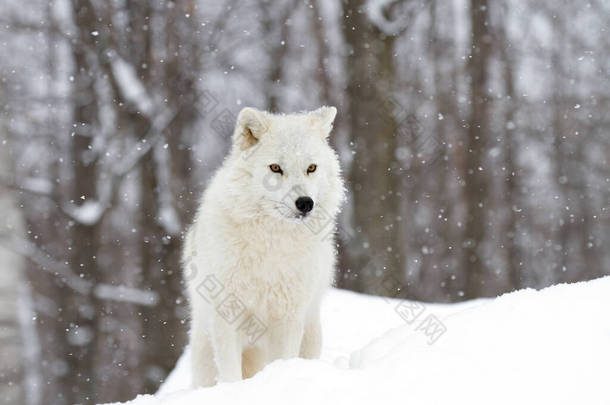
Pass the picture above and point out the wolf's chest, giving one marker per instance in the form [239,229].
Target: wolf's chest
[271,287]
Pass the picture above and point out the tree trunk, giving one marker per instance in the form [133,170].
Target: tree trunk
[564,272]
[322,74]
[80,312]
[514,252]
[375,177]
[12,294]
[277,48]
[476,177]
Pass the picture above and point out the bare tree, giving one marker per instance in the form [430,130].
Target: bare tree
[476,170]
[375,177]
[514,251]
[80,311]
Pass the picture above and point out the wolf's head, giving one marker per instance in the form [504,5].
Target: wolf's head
[284,166]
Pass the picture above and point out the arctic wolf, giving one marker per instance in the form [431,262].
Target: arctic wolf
[261,252]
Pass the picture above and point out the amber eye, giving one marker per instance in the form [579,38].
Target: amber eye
[275,168]
[312,168]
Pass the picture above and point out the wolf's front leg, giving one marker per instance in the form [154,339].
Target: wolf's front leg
[202,356]
[312,340]
[285,340]
[227,352]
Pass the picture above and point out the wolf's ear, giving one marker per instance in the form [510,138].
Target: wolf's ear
[323,119]
[251,125]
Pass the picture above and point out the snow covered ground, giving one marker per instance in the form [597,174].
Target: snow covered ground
[528,347]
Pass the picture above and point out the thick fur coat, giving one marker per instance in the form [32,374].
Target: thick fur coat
[261,251]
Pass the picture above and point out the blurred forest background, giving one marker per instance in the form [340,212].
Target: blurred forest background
[473,134]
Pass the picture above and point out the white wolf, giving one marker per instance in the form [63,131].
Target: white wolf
[261,251]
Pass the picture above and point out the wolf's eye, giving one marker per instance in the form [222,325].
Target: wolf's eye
[312,168]
[275,168]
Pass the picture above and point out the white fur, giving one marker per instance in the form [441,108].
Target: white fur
[248,237]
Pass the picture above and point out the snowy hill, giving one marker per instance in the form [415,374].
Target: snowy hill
[527,347]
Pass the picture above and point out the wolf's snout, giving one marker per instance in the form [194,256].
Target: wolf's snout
[304,204]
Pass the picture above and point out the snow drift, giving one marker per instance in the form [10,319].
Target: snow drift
[527,347]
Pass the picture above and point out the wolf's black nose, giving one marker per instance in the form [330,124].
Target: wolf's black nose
[304,204]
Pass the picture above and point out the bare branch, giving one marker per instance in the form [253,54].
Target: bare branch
[42,259]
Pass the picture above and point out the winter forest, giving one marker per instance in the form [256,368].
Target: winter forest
[473,137]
